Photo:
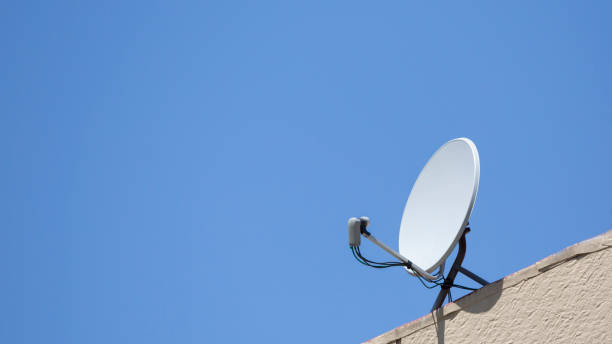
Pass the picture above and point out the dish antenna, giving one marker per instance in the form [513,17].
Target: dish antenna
[435,219]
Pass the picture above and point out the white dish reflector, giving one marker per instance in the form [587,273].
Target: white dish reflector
[440,204]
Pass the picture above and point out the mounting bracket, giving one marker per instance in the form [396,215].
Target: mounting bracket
[452,274]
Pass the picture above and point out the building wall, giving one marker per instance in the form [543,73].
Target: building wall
[564,298]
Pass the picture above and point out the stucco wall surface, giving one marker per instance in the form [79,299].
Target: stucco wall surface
[564,298]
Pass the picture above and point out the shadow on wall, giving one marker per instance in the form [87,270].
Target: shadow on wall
[480,301]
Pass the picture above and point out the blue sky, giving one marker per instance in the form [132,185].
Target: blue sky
[183,171]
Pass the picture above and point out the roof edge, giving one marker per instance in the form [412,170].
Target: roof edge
[595,244]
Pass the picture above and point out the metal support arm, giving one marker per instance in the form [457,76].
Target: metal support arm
[401,258]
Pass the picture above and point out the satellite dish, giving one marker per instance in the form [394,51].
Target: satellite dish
[440,203]
[435,219]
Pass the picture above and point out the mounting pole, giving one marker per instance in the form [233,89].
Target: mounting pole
[452,274]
